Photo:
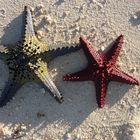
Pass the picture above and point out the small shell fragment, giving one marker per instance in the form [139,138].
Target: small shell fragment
[40,6]
[49,19]
[102,48]
[32,9]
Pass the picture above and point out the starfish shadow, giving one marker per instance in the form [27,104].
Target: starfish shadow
[116,92]
[13,32]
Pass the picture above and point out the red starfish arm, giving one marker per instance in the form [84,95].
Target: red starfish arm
[91,54]
[83,75]
[113,52]
[120,76]
[101,84]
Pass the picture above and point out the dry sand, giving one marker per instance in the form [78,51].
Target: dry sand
[35,115]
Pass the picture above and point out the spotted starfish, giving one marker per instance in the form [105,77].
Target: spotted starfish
[101,68]
[27,61]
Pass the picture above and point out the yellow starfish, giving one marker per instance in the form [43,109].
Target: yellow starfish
[27,61]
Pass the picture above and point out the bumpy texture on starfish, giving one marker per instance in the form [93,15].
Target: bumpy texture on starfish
[27,61]
[101,68]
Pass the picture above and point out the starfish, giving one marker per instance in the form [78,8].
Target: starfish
[27,61]
[101,68]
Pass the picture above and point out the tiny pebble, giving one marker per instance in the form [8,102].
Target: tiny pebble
[23,127]
[134,106]
[78,136]
[135,17]
[56,125]
[70,100]
[40,33]
[120,132]
[40,114]
[120,64]
[41,11]
[29,125]
[104,118]
[42,90]
[133,69]
[39,37]
[2,11]
[49,19]
[68,135]
[130,132]
[122,105]
[102,48]
[32,9]
[40,6]
[139,96]
[96,137]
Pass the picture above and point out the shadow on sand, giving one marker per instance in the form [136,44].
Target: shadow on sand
[14,31]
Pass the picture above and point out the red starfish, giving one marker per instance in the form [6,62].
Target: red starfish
[101,68]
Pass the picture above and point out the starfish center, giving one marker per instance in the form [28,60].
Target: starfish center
[22,60]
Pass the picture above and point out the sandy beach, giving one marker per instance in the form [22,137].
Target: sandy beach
[33,114]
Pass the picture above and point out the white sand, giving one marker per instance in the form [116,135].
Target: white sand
[34,115]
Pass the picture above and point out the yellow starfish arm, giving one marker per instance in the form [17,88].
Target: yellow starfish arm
[41,70]
[31,43]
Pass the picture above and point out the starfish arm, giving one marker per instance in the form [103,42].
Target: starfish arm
[83,75]
[120,76]
[113,52]
[51,54]
[29,28]
[10,90]
[43,74]
[34,46]
[30,41]
[91,54]
[101,84]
